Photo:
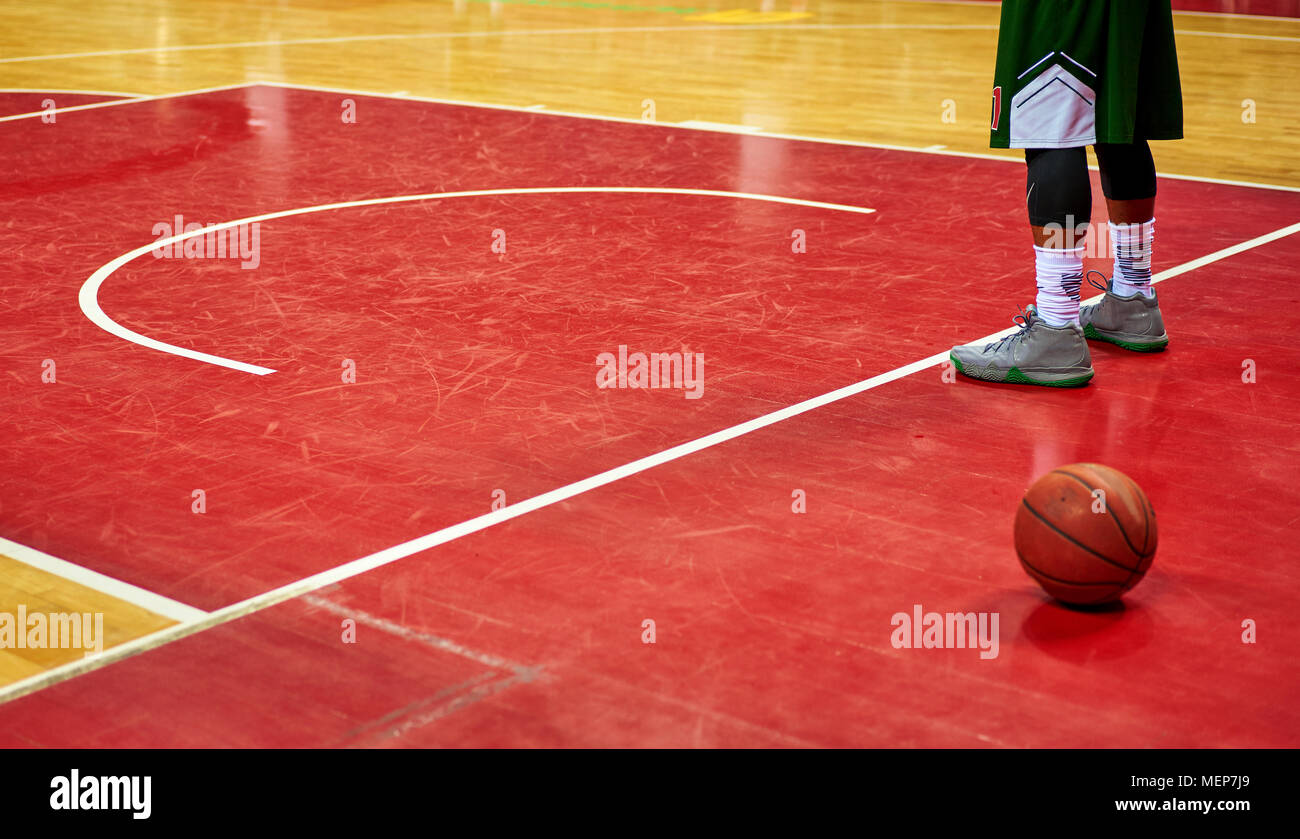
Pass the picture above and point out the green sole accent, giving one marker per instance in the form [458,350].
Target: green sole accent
[1092,334]
[1014,376]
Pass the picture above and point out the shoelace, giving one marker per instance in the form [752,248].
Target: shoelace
[1100,286]
[1023,320]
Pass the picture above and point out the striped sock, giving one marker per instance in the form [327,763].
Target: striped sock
[1060,273]
[1132,243]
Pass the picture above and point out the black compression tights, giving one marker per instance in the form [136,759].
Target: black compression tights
[1057,187]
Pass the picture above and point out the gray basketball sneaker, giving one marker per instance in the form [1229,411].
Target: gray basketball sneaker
[1036,354]
[1133,323]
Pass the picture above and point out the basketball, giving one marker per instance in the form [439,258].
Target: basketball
[1086,533]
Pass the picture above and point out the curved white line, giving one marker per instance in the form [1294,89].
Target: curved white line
[88,297]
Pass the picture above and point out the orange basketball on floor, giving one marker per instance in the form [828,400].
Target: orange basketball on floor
[1086,533]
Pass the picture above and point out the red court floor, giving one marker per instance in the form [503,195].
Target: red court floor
[475,373]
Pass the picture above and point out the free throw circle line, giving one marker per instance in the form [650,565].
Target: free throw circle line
[88,297]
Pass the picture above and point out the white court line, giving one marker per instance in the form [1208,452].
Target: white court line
[600,30]
[1280,233]
[88,297]
[406,633]
[932,149]
[689,125]
[1225,181]
[984,4]
[71,108]
[1237,35]
[439,537]
[81,92]
[111,586]
[1237,16]
[686,28]
[139,98]
[728,127]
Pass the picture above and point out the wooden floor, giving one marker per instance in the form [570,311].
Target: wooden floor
[865,70]
[39,591]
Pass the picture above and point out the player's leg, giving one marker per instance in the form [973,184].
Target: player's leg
[1050,348]
[1144,103]
[1128,314]
[1043,102]
[1058,196]
[1128,180]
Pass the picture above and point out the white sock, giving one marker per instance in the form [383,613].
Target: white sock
[1060,273]
[1132,244]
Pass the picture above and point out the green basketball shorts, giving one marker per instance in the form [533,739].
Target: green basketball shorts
[1077,72]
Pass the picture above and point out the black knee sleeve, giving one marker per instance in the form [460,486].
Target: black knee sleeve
[1127,170]
[1057,189]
